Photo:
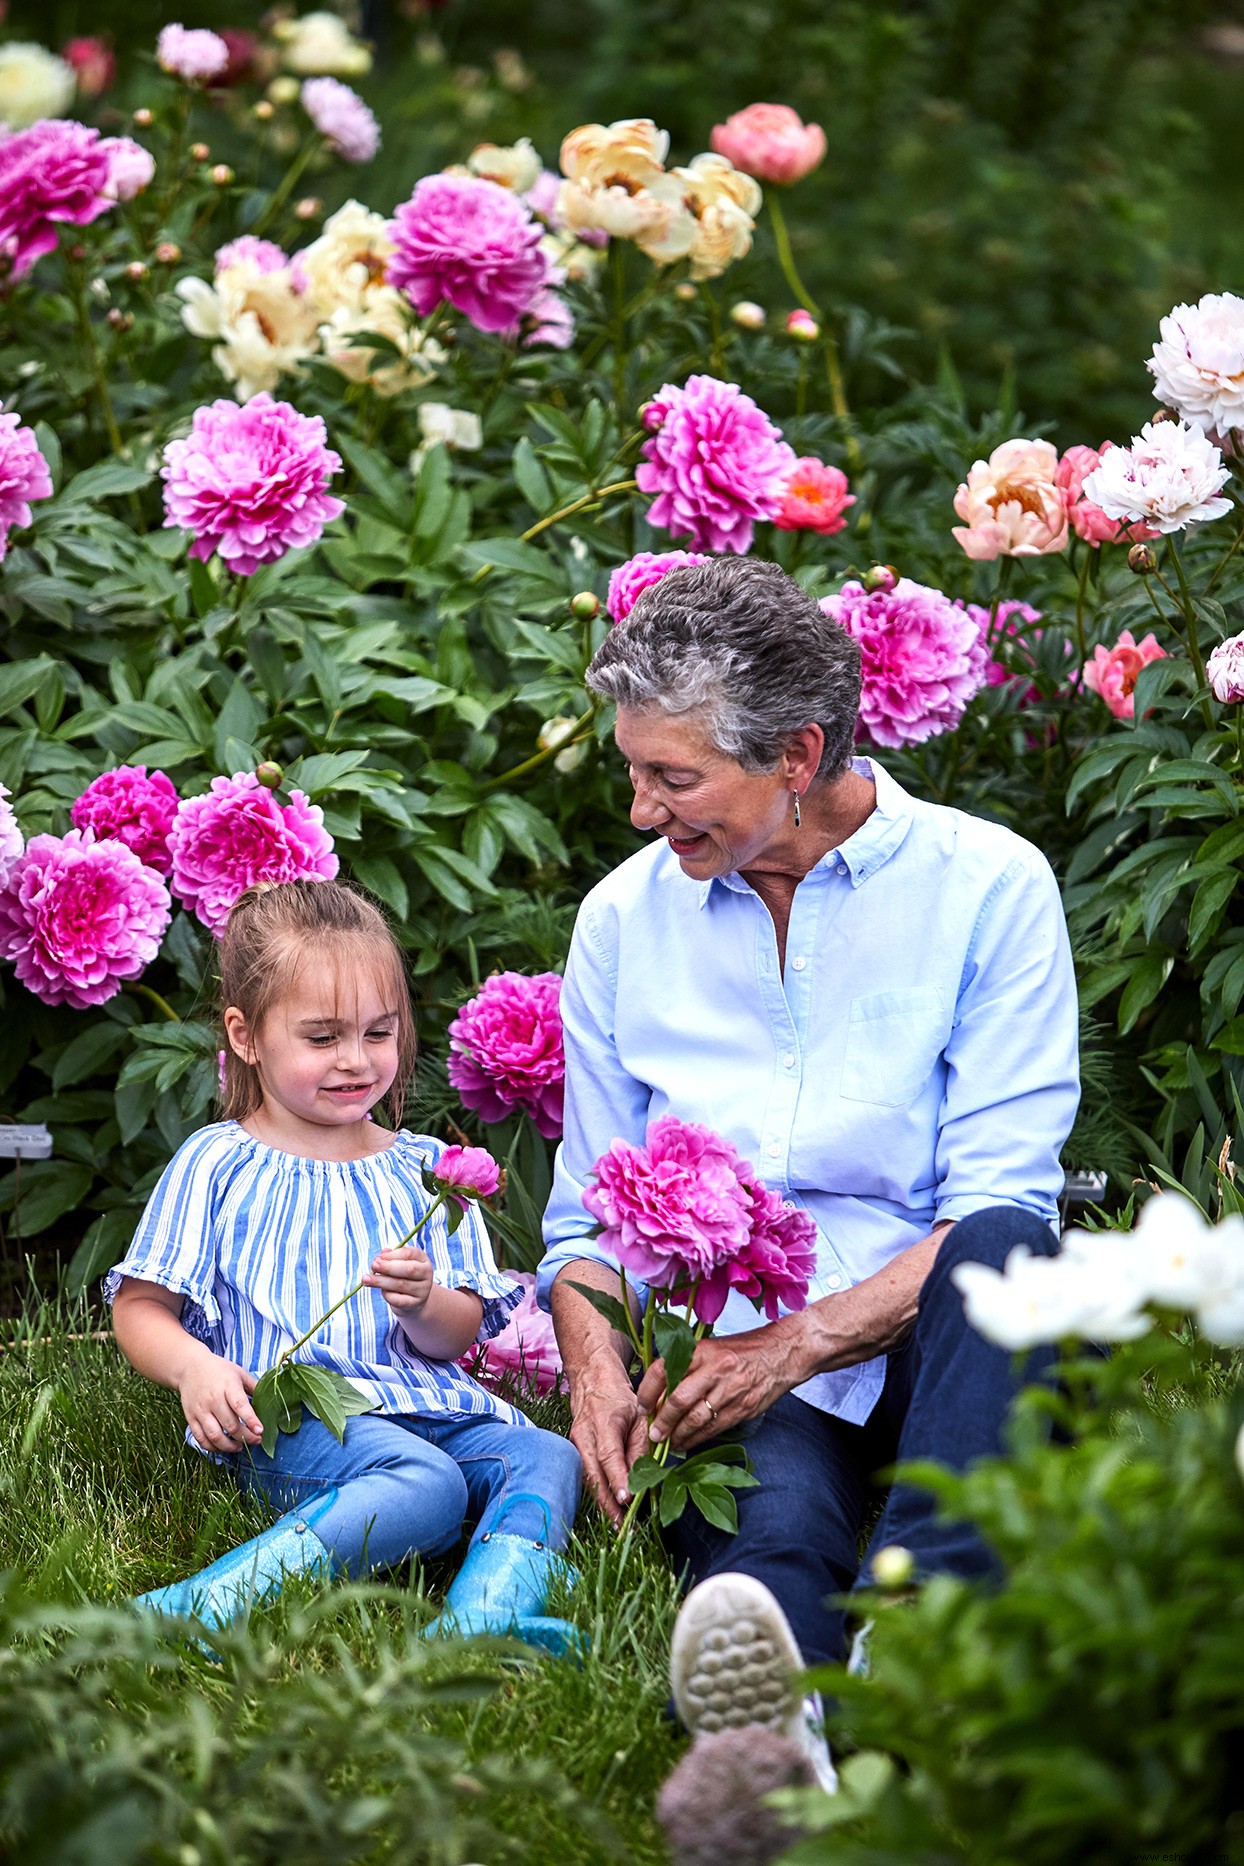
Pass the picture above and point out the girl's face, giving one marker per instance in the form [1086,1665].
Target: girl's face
[328,1051]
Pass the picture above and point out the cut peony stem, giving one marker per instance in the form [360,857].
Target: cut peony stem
[351,1293]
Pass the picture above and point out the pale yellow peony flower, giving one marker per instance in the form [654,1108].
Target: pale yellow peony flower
[386,313]
[321,45]
[723,202]
[629,153]
[350,257]
[1011,504]
[34,83]
[264,327]
[616,182]
[514,166]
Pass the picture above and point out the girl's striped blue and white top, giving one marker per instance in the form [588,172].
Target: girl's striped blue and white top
[261,1243]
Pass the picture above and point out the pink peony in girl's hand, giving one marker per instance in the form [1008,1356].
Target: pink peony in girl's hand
[629,581]
[505,1050]
[470,243]
[921,659]
[525,1355]
[815,499]
[1088,521]
[238,834]
[136,809]
[79,916]
[715,463]
[1112,671]
[24,476]
[672,1211]
[771,142]
[467,1173]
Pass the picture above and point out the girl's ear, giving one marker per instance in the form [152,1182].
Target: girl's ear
[238,1035]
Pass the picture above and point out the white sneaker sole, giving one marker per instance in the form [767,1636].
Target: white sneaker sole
[733,1657]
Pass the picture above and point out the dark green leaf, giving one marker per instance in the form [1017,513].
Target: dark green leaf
[675,1343]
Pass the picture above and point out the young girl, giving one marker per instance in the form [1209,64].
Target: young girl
[265,1219]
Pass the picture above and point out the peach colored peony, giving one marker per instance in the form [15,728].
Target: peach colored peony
[816,499]
[722,204]
[1012,504]
[1112,671]
[616,184]
[771,142]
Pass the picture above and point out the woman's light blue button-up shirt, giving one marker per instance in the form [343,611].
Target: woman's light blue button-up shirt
[916,1063]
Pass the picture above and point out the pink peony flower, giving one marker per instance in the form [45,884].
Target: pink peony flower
[1112,671]
[715,461]
[11,840]
[774,1269]
[1088,521]
[920,659]
[1013,620]
[131,168]
[771,142]
[550,322]
[1012,504]
[132,808]
[505,1050]
[54,174]
[673,1211]
[629,581]
[471,243]
[265,255]
[525,1355]
[815,499]
[1225,669]
[341,116]
[467,1173]
[250,482]
[237,834]
[198,56]
[79,916]
[93,62]
[23,476]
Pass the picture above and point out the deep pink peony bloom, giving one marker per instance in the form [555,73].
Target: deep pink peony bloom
[341,116]
[134,809]
[93,61]
[675,1210]
[1112,671]
[550,322]
[196,55]
[629,581]
[244,51]
[11,840]
[525,1356]
[1088,521]
[920,659]
[131,168]
[774,1269]
[505,1050]
[250,482]
[79,916]
[715,462]
[815,499]
[472,243]
[264,254]
[57,173]
[1013,621]
[23,476]
[771,142]
[467,1173]
[238,834]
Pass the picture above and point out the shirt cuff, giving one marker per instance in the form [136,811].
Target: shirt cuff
[966,1204]
[577,1250]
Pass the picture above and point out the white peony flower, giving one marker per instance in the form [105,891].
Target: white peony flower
[1039,1299]
[321,45]
[348,260]
[1169,477]
[265,328]
[34,83]
[1225,669]
[1198,362]
[439,424]
[515,166]
[384,311]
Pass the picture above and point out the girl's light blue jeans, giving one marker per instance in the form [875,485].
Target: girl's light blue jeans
[406,1484]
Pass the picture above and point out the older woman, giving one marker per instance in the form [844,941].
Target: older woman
[873,999]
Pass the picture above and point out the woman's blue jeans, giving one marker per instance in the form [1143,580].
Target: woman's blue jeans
[946,1396]
[406,1484]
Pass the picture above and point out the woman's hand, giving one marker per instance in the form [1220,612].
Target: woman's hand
[609,1429]
[215,1397]
[404,1278]
[729,1381]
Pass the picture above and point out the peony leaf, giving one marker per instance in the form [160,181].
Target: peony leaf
[268,1400]
[605,1305]
[715,1504]
[647,1473]
[329,1397]
[675,1340]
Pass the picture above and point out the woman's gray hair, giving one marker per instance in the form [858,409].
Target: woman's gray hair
[740,642]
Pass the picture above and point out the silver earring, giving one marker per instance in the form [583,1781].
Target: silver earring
[795,795]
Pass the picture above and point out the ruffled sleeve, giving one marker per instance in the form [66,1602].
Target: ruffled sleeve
[175,1244]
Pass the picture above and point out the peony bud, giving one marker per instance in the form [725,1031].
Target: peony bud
[283,90]
[168,252]
[1164,414]
[143,119]
[1143,559]
[120,320]
[555,732]
[199,152]
[893,1567]
[882,578]
[585,606]
[136,271]
[309,206]
[685,291]
[264,110]
[270,775]
[748,316]
[222,174]
[77,253]
[802,326]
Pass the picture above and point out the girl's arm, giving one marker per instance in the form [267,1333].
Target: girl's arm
[215,1393]
[439,1323]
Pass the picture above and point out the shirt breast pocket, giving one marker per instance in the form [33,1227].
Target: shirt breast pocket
[894,1040]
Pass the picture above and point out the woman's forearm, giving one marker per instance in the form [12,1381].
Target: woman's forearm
[862,1322]
[446,1325]
[583,1334]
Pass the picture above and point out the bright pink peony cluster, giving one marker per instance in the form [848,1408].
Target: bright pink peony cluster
[629,581]
[23,476]
[920,659]
[1088,521]
[815,499]
[1112,671]
[715,462]
[57,173]
[133,808]
[467,1173]
[11,840]
[771,142]
[342,118]
[196,55]
[472,244]
[525,1356]
[79,916]
[250,481]
[686,1215]
[265,255]
[237,834]
[505,1050]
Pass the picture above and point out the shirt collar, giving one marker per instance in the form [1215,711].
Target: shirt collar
[872,845]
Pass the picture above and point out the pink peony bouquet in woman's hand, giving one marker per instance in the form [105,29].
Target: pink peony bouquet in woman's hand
[685,1215]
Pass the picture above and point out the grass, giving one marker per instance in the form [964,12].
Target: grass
[100,1499]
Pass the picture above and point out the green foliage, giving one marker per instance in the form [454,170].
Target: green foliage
[282,1393]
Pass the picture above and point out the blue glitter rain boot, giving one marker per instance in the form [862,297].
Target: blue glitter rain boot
[254,1572]
[501,1588]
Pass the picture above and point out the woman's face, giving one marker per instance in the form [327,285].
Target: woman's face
[716,816]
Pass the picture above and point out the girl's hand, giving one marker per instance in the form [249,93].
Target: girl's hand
[215,1397]
[404,1278]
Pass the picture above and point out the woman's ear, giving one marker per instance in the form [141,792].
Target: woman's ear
[803,756]
[238,1035]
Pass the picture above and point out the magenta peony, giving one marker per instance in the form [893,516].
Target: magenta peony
[774,1269]
[675,1210]
[197,55]
[505,1050]
[920,659]
[56,173]
[815,499]
[639,573]
[11,839]
[1112,672]
[134,809]
[23,476]
[250,482]
[1088,521]
[771,142]
[131,168]
[238,834]
[525,1355]
[550,322]
[342,118]
[79,916]
[1012,622]
[265,255]
[467,1173]
[715,462]
[470,243]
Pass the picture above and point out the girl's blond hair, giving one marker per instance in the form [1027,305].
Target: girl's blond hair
[273,931]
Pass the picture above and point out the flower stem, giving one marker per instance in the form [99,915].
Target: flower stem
[315,1327]
[162,1004]
[631,1330]
[579,731]
[286,185]
[87,331]
[833,362]
[1081,641]
[1194,647]
[1225,559]
[589,498]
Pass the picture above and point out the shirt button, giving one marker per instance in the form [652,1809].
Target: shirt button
[788,1061]
[775,1147]
[842,868]
[833,1282]
[799,964]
